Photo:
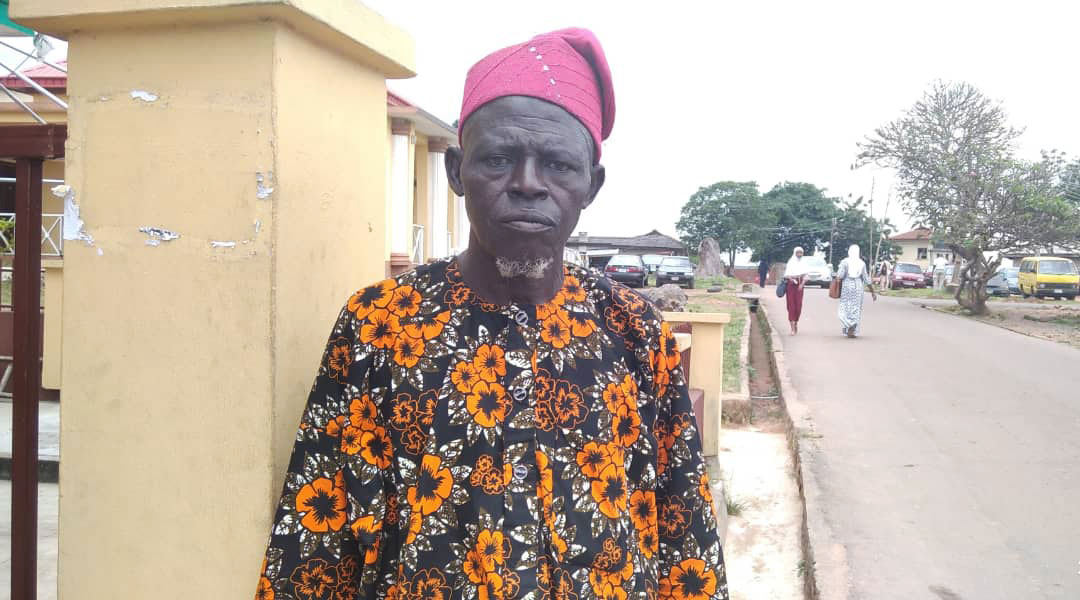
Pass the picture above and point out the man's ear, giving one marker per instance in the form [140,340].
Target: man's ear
[453,159]
[598,175]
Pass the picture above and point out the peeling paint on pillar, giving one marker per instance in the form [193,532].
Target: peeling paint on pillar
[156,235]
[74,227]
[264,185]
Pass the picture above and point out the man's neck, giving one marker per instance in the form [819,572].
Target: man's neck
[481,273]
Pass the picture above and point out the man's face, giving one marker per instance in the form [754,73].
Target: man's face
[526,171]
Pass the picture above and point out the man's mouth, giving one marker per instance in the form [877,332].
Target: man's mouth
[529,223]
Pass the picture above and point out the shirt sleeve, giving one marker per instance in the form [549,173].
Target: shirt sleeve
[841,273]
[690,547]
[328,524]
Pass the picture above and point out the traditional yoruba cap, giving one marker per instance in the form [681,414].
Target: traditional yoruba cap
[565,67]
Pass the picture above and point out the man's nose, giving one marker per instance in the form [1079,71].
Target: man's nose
[527,183]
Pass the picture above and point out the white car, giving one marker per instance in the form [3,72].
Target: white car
[819,272]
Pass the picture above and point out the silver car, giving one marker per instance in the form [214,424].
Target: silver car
[819,272]
[675,269]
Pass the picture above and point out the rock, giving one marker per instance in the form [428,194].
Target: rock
[715,289]
[710,259]
[668,297]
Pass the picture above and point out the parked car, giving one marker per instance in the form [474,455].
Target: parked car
[628,269]
[928,276]
[819,272]
[1048,277]
[907,275]
[675,269]
[998,285]
[1012,278]
[652,261]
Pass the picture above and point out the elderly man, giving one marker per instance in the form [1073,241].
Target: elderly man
[501,425]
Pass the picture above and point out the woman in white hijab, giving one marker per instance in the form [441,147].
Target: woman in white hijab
[855,279]
[795,276]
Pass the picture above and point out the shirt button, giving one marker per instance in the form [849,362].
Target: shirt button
[521,472]
[520,395]
[521,318]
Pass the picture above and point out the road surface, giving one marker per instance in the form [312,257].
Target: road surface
[949,451]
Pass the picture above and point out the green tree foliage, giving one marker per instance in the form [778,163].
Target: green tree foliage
[731,212]
[954,155]
[855,226]
[801,215]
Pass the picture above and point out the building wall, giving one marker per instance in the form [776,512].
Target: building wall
[909,252]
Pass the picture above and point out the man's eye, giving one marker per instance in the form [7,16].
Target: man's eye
[497,161]
[560,166]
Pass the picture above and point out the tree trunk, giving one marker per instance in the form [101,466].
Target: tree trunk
[731,262]
[976,271]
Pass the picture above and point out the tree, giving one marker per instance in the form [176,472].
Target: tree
[855,226]
[731,212]
[801,215]
[954,156]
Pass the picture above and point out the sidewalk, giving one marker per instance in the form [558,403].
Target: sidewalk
[48,494]
[48,440]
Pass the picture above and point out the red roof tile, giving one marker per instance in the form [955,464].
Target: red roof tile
[914,234]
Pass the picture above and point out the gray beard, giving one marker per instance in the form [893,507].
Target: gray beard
[532,268]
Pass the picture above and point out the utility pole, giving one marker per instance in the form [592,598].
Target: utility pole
[832,237]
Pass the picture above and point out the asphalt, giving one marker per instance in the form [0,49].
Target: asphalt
[947,451]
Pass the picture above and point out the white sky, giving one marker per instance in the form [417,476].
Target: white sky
[763,91]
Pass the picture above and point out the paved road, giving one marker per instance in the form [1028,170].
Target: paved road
[950,451]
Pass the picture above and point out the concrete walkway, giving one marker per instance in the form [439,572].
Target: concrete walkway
[47,540]
[946,451]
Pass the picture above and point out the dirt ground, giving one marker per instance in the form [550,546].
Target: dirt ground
[1054,321]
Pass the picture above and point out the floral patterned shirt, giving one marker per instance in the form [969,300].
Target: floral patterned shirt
[454,448]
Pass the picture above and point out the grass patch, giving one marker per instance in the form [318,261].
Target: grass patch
[925,293]
[1066,320]
[734,507]
[732,346]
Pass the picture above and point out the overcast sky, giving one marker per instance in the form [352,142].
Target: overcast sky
[763,91]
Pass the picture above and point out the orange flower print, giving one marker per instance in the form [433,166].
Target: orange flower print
[405,302]
[377,449]
[495,482]
[429,326]
[562,585]
[626,425]
[365,528]
[314,580]
[617,320]
[433,486]
[371,555]
[689,580]
[706,493]
[673,517]
[464,376]
[669,348]
[362,412]
[403,412]
[597,456]
[543,311]
[407,351]
[568,405]
[511,585]
[493,548]
[615,396]
[425,407]
[458,295]
[643,509]
[555,330]
[492,589]
[338,359]
[429,584]
[543,573]
[649,541]
[611,591]
[416,520]
[581,326]
[333,428]
[415,440]
[322,504]
[609,491]
[474,567]
[489,362]
[488,404]
[352,440]
[545,486]
[365,301]
[381,329]
[392,509]
[572,290]
[265,591]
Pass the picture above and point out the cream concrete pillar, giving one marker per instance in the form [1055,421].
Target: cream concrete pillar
[53,335]
[707,369]
[187,360]
[437,191]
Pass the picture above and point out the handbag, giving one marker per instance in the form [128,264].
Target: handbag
[834,288]
[781,288]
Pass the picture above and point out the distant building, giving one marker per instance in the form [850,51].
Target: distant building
[597,250]
[916,246]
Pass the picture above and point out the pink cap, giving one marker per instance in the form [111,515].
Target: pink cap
[565,67]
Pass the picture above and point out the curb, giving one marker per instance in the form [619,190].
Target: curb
[744,355]
[48,470]
[827,575]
